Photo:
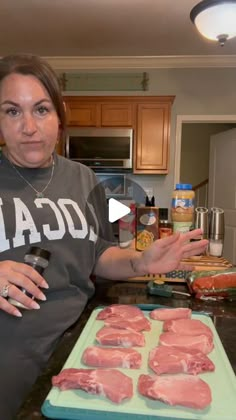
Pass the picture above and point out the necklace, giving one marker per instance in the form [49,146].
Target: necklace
[39,194]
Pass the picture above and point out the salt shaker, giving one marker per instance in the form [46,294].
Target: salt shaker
[216,234]
[37,258]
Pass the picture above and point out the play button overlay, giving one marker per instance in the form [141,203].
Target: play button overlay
[110,208]
[116,210]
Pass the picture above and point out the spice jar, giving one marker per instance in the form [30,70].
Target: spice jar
[165,227]
[147,227]
[37,258]
[182,207]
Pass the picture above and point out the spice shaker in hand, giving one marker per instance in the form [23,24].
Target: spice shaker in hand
[37,258]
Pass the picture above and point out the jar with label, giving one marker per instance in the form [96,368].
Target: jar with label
[182,208]
[147,227]
[165,227]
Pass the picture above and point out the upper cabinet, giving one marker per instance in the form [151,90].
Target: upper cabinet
[82,114]
[116,115]
[152,139]
[94,112]
[149,116]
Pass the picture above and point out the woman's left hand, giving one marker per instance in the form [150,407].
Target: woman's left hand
[165,254]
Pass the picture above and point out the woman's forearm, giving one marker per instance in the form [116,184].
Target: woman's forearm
[117,264]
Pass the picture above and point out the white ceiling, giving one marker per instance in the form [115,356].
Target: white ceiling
[104,28]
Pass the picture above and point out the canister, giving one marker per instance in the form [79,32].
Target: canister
[147,226]
[182,207]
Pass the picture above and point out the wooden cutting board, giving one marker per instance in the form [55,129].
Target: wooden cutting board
[197,263]
[207,262]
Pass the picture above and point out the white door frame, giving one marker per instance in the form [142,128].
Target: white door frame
[194,119]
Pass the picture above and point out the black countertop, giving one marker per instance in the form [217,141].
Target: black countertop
[107,292]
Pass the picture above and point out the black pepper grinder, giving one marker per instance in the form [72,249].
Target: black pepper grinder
[38,258]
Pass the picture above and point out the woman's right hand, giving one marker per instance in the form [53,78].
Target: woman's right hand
[15,275]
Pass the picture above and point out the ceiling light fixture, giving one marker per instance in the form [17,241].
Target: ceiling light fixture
[215,19]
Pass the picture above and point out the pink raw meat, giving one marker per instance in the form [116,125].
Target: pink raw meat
[164,359]
[187,327]
[124,316]
[202,342]
[163,314]
[188,391]
[112,357]
[138,323]
[110,383]
[123,310]
[116,337]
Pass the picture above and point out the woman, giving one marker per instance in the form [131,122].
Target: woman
[45,201]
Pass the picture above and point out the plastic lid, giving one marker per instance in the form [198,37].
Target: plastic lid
[39,252]
[183,186]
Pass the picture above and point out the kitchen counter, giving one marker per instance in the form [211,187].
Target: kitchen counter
[107,292]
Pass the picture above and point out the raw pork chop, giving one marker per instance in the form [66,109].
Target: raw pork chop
[116,337]
[187,327]
[124,316]
[163,314]
[201,342]
[137,323]
[189,391]
[110,383]
[164,359]
[112,357]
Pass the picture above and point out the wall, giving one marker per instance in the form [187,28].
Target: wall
[198,92]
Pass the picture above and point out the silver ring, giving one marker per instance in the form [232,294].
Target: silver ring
[4,290]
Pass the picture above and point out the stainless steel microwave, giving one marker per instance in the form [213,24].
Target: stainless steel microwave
[101,148]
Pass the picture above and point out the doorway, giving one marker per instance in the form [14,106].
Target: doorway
[192,149]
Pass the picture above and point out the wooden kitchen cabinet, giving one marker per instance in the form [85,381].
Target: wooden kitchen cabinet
[82,114]
[149,116]
[152,138]
[116,115]
[97,112]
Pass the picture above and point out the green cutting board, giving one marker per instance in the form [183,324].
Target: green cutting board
[77,404]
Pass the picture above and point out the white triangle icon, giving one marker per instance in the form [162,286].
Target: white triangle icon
[116,210]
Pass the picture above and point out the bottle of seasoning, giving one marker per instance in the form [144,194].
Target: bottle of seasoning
[37,258]
[147,227]
[182,207]
[165,227]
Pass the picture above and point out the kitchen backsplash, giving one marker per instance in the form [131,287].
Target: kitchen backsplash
[135,187]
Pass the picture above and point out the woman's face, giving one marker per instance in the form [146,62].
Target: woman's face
[29,124]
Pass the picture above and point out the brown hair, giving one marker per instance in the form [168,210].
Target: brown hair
[27,64]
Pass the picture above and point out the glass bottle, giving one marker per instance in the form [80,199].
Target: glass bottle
[37,258]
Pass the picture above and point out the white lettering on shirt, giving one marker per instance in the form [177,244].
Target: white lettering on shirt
[52,234]
[25,225]
[75,233]
[4,242]
[24,222]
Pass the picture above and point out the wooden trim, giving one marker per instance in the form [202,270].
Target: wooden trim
[201,184]
[142,62]
[121,99]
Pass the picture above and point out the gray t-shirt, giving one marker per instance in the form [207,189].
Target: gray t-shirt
[71,222]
